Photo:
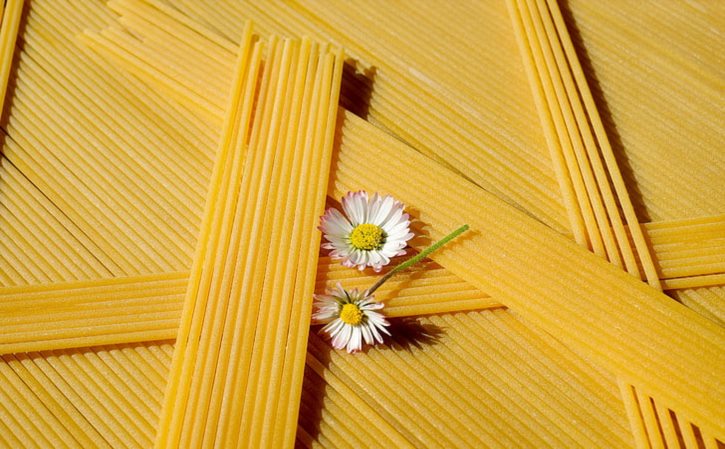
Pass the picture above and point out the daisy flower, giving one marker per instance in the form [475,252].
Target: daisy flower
[351,317]
[372,230]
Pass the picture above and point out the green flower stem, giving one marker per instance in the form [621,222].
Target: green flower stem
[414,260]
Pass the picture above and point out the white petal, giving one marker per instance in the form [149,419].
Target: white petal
[384,209]
[338,291]
[395,210]
[337,242]
[403,234]
[376,334]
[394,217]
[381,258]
[374,258]
[355,206]
[334,223]
[355,342]
[391,250]
[354,258]
[383,329]
[396,228]
[367,335]
[341,338]
[334,327]
[372,305]
[376,318]
[372,209]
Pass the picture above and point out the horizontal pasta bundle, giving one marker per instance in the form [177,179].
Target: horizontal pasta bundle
[147,308]
[91,313]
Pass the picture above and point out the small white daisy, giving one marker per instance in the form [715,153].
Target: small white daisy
[350,317]
[371,232]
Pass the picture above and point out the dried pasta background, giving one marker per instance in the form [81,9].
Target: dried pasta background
[164,163]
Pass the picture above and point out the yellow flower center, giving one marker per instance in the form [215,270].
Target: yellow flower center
[351,314]
[367,237]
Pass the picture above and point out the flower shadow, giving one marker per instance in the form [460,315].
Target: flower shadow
[357,87]
[411,332]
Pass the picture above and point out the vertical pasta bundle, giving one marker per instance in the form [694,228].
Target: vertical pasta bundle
[586,166]
[237,370]
[583,156]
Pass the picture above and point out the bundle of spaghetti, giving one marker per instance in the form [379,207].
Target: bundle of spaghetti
[9,26]
[688,243]
[57,396]
[91,313]
[218,396]
[579,145]
[407,97]
[706,301]
[655,337]
[92,149]
[645,76]
[689,253]
[66,315]
[78,255]
[215,234]
[146,57]
[471,384]
[654,425]
[160,41]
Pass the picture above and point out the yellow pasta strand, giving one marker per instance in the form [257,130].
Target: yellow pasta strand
[58,241]
[706,301]
[177,212]
[673,167]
